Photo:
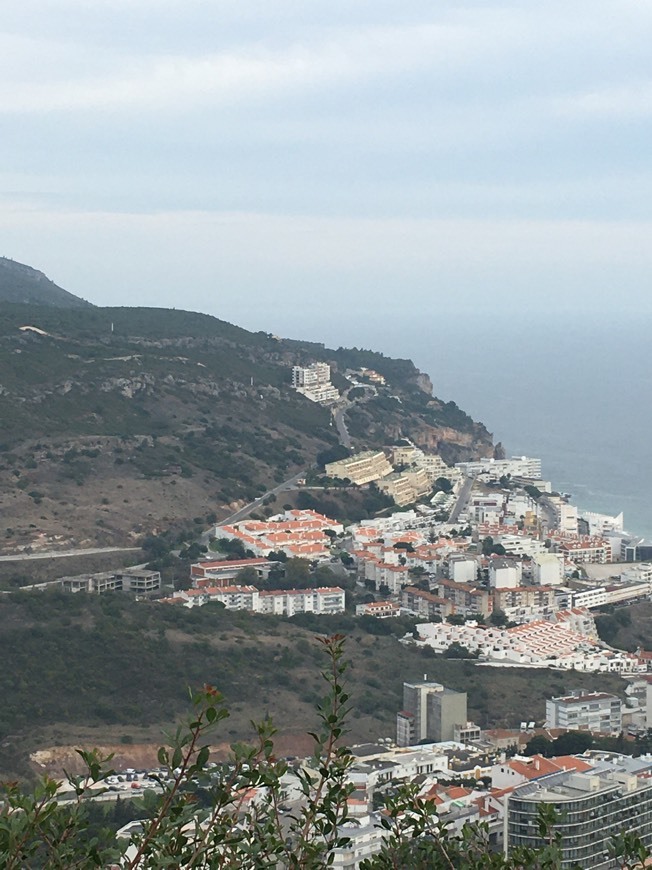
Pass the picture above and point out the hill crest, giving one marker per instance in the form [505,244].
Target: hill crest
[24,284]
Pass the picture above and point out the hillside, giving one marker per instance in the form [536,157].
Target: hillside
[109,670]
[23,284]
[117,422]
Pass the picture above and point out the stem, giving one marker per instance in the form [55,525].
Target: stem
[153,828]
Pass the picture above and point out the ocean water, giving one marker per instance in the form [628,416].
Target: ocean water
[574,391]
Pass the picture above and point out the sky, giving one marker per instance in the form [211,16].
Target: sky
[309,168]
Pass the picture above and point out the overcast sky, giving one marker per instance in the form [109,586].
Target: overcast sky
[291,165]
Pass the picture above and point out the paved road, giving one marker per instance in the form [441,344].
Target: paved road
[549,518]
[342,431]
[462,499]
[62,554]
[340,410]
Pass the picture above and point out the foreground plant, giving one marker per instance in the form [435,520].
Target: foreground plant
[203,815]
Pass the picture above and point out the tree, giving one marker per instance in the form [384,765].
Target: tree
[247,576]
[539,745]
[456,619]
[457,651]
[498,618]
[487,545]
[297,572]
[233,547]
[572,743]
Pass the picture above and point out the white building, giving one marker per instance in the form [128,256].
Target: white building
[280,602]
[600,524]
[287,602]
[314,375]
[547,569]
[520,545]
[314,382]
[494,469]
[462,569]
[505,573]
[597,712]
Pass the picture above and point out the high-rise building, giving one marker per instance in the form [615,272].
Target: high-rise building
[430,712]
[311,376]
[592,807]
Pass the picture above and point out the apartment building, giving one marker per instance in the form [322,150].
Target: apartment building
[394,577]
[288,602]
[398,487]
[232,597]
[430,712]
[593,806]
[425,604]
[314,375]
[136,580]
[462,569]
[505,573]
[466,599]
[537,598]
[582,549]
[361,468]
[280,602]
[585,711]
[494,469]
[519,545]
[314,382]
[548,569]
[405,487]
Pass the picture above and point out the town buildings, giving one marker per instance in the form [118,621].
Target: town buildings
[494,469]
[301,533]
[569,642]
[280,602]
[406,487]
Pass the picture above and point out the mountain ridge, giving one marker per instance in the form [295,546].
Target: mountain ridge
[23,284]
[121,422]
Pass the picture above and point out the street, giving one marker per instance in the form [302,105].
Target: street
[462,499]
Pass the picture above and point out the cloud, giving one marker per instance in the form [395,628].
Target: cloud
[156,82]
[630,101]
[353,148]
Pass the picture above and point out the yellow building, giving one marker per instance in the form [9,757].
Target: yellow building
[361,468]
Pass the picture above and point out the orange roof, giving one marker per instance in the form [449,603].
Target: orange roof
[457,791]
[536,767]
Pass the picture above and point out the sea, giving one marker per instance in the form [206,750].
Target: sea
[573,389]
